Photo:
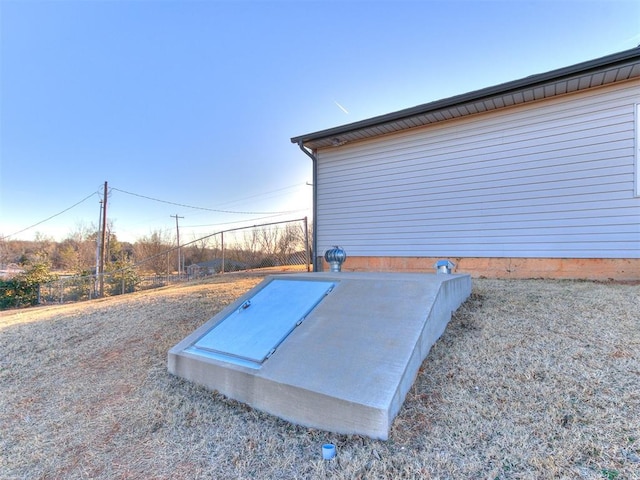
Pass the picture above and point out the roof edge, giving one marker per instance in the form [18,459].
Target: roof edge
[475,95]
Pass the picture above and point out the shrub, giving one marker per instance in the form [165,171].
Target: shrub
[22,290]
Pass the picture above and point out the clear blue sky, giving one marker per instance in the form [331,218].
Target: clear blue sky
[194,102]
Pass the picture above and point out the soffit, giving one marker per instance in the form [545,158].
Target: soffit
[608,70]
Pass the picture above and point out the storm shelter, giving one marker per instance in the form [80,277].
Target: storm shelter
[333,350]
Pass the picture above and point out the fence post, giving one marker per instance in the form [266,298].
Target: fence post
[306,244]
[222,243]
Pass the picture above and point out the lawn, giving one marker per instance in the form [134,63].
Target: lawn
[532,379]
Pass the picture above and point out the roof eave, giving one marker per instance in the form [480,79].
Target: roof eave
[474,96]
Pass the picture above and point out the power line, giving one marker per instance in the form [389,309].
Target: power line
[200,208]
[167,202]
[261,194]
[231,223]
[52,216]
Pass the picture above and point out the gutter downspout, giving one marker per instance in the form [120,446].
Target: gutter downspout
[314,240]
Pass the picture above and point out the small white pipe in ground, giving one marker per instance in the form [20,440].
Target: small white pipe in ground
[328,451]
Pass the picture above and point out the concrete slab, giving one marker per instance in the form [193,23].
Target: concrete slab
[349,365]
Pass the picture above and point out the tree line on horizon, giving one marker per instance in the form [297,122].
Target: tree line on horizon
[153,253]
[43,259]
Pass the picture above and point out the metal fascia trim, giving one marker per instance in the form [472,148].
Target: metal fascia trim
[476,95]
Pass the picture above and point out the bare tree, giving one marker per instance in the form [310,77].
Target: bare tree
[77,252]
[268,238]
[290,241]
[247,250]
[4,252]
[65,256]
[152,251]
[43,249]
[198,251]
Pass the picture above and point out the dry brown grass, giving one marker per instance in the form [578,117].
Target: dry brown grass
[532,379]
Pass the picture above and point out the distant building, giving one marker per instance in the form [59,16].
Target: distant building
[212,267]
[538,177]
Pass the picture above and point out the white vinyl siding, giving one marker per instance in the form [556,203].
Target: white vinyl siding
[637,151]
[552,179]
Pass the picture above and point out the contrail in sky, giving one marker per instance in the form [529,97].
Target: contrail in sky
[341,107]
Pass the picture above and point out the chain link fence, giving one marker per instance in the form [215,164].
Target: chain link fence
[278,246]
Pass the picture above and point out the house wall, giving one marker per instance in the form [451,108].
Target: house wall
[548,180]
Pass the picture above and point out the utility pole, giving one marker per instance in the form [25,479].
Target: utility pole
[178,241]
[103,243]
[96,286]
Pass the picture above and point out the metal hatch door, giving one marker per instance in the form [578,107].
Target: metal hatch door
[254,330]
